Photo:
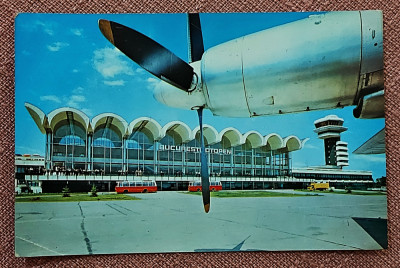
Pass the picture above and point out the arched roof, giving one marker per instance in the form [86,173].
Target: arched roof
[229,137]
[38,116]
[150,127]
[68,113]
[232,135]
[109,120]
[179,131]
[303,142]
[292,143]
[273,142]
[209,132]
[254,138]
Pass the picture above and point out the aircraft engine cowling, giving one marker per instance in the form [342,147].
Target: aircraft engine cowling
[170,96]
[316,63]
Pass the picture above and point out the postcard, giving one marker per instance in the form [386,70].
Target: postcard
[148,133]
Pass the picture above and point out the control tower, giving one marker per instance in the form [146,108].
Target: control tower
[329,129]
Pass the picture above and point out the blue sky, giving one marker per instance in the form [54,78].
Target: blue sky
[64,60]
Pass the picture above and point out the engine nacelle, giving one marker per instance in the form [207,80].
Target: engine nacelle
[316,63]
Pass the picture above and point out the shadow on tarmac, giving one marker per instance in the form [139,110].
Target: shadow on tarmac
[236,248]
[376,228]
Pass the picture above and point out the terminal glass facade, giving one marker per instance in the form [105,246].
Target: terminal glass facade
[108,145]
[111,154]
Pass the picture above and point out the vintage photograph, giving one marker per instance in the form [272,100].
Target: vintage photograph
[148,133]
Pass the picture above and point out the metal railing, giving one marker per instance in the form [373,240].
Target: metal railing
[183,178]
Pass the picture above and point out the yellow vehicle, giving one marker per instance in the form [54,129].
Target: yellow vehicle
[321,186]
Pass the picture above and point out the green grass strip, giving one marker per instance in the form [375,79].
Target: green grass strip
[74,198]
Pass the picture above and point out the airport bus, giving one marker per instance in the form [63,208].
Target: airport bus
[136,187]
[196,186]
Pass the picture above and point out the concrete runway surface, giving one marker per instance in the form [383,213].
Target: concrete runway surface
[176,222]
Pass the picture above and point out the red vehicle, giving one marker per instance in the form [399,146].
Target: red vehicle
[196,186]
[136,187]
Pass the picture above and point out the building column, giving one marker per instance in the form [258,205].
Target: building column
[252,162]
[48,153]
[208,162]
[155,157]
[127,157]
[183,158]
[272,164]
[89,151]
[123,148]
[232,161]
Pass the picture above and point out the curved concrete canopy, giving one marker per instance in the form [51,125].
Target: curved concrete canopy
[179,131]
[292,143]
[273,142]
[109,120]
[61,114]
[254,138]
[229,137]
[209,132]
[303,142]
[38,116]
[232,135]
[150,127]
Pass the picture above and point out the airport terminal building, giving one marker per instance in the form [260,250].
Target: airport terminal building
[107,149]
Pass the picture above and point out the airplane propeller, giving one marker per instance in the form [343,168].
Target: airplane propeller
[168,67]
[149,54]
[205,183]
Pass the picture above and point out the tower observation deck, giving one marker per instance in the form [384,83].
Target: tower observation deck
[329,129]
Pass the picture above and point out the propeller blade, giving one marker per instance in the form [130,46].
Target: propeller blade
[205,183]
[149,54]
[196,46]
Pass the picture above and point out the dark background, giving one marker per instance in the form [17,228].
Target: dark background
[385,258]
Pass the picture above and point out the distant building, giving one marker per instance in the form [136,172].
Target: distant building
[80,151]
[337,177]
[329,129]
[28,165]
[336,153]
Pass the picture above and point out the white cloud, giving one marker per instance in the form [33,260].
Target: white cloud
[75,101]
[52,98]
[110,62]
[57,46]
[153,83]
[78,90]
[48,28]
[78,98]
[75,71]
[152,80]
[77,32]
[140,71]
[115,83]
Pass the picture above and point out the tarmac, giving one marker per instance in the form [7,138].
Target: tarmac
[176,222]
